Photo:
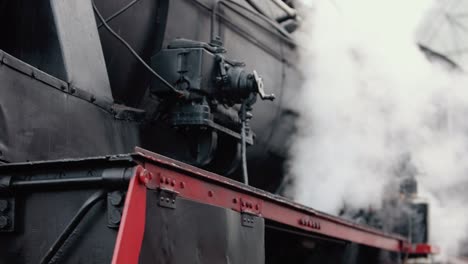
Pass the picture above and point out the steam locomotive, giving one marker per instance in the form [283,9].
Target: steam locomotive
[210,83]
[106,101]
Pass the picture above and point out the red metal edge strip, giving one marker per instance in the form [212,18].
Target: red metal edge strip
[216,179]
[219,191]
[206,187]
[132,226]
[422,249]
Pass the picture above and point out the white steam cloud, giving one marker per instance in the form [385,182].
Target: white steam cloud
[371,96]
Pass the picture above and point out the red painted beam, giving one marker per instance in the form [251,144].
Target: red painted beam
[205,187]
[132,227]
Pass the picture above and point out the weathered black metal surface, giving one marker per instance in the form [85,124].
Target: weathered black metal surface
[142,26]
[187,232]
[42,118]
[198,233]
[59,37]
[30,34]
[286,245]
[43,209]
[41,217]
[81,47]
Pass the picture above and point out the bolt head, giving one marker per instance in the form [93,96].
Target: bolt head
[3,206]
[143,176]
[4,221]
[146,176]
[115,198]
[115,217]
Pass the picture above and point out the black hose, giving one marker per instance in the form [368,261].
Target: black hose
[135,54]
[214,14]
[123,9]
[87,205]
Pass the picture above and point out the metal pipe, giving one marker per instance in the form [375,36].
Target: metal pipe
[245,173]
[214,14]
[87,205]
[55,183]
[287,9]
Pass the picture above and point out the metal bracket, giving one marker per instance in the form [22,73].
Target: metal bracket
[167,198]
[115,202]
[248,220]
[250,206]
[7,214]
[261,89]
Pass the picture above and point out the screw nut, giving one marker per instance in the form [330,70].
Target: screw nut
[4,221]
[115,198]
[115,217]
[3,206]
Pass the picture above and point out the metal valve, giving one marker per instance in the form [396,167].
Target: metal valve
[260,88]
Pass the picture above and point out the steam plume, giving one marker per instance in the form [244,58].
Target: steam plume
[371,97]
